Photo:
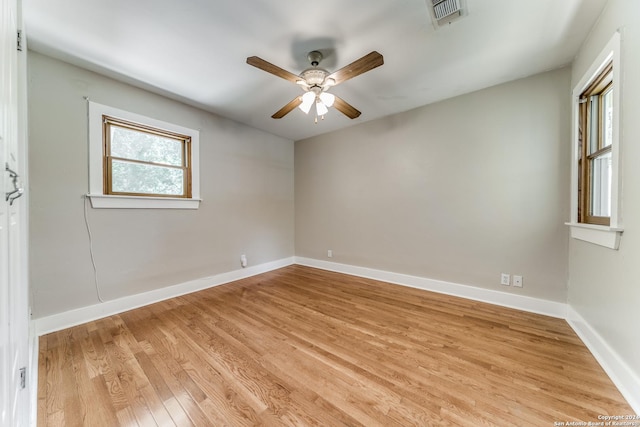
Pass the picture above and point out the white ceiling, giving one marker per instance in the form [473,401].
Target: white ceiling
[195,50]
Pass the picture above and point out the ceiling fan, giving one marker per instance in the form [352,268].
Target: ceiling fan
[316,82]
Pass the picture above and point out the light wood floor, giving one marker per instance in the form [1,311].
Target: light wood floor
[300,346]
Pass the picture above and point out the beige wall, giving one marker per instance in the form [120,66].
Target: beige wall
[246,187]
[459,191]
[604,285]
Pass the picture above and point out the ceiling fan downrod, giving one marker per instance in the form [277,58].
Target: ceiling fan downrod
[314,58]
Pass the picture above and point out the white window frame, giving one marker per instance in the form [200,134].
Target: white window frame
[607,236]
[96,164]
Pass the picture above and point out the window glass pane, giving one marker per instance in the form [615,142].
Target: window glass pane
[607,118]
[128,177]
[594,121]
[601,185]
[137,145]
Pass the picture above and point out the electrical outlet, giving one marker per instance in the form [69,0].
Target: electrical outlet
[505,279]
[517,281]
[243,260]
[329,253]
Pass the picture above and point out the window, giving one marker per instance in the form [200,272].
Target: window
[595,136]
[596,180]
[144,161]
[139,162]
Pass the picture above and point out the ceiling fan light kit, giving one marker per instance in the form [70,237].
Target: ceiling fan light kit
[316,81]
[307,101]
[321,109]
[327,98]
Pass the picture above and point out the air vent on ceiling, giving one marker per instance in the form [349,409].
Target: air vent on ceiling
[444,8]
[445,11]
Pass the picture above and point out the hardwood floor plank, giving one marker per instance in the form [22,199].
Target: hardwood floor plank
[194,405]
[89,354]
[179,416]
[232,369]
[359,353]
[44,362]
[248,334]
[73,405]
[56,419]
[125,376]
[90,414]
[107,376]
[101,404]
[154,377]
[306,347]
[125,416]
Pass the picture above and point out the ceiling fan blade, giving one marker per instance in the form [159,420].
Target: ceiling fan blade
[345,108]
[287,108]
[273,69]
[360,66]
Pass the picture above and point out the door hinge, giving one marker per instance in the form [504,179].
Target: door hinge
[23,378]
[19,41]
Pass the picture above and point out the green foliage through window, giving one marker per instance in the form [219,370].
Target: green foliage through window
[144,161]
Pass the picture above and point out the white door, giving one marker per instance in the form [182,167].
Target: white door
[14,317]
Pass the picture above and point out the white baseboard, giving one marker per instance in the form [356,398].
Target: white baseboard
[534,305]
[67,319]
[627,382]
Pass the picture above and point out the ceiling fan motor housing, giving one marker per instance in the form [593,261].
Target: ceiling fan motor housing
[314,76]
